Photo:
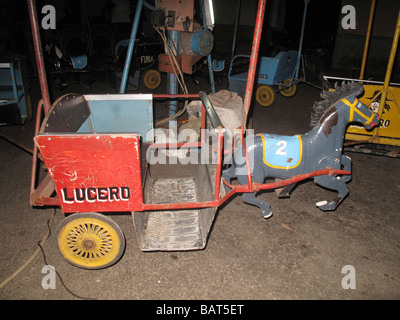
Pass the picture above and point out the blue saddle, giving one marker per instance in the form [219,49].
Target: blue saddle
[282,152]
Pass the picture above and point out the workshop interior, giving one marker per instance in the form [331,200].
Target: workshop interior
[151,108]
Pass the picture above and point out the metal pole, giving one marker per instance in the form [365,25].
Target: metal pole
[131,46]
[211,73]
[172,81]
[236,28]
[390,65]
[37,44]
[253,61]
[301,39]
[209,58]
[364,60]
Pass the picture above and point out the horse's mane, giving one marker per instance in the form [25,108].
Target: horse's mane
[331,97]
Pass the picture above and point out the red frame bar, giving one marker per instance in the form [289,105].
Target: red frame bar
[38,194]
[253,61]
[174,96]
[39,55]
[219,165]
[242,189]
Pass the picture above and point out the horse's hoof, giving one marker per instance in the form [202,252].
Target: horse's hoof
[326,206]
[266,214]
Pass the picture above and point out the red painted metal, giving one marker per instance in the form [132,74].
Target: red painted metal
[185,61]
[39,55]
[242,189]
[175,96]
[35,149]
[100,172]
[175,145]
[203,123]
[246,154]
[219,163]
[253,61]
[286,182]
[298,178]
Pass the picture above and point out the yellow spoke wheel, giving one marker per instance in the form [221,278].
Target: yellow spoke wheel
[265,96]
[286,91]
[90,240]
[152,79]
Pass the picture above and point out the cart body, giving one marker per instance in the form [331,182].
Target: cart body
[92,147]
[272,71]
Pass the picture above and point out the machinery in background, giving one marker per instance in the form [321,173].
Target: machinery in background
[383,98]
[15,100]
[70,62]
[280,73]
[145,62]
[186,42]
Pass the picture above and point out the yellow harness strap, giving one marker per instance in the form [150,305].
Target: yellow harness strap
[353,109]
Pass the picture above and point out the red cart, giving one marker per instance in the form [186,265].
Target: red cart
[94,149]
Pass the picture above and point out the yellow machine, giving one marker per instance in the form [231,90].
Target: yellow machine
[385,102]
[382,98]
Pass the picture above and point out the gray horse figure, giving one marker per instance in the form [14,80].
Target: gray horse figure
[281,157]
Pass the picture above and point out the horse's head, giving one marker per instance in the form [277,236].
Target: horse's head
[343,98]
[360,113]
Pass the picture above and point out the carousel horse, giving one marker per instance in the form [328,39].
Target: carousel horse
[281,157]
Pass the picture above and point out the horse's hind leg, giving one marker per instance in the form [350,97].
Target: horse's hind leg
[265,209]
[228,174]
[332,183]
[250,197]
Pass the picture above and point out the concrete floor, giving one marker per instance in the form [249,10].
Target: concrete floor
[298,253]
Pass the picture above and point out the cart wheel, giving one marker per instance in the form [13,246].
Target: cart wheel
[90,240]
[152,79]
[286,91]
[265,96]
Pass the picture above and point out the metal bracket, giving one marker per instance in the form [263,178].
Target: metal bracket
[215,121]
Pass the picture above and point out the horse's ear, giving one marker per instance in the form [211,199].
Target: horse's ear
[358,89]
[355,89]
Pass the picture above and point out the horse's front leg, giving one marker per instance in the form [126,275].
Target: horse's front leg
[250,197]
[333,182]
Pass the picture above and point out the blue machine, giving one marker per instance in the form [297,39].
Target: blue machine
[15,104]
[276,74]
[272,71]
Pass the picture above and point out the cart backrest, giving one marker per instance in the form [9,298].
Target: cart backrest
[286,66]
[103,113]
[67,114]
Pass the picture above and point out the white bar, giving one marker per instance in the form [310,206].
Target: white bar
[358,80]
[121,96]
